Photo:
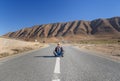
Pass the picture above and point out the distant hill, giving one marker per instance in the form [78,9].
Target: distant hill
[80,29]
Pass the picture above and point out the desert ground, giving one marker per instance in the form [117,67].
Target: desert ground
[109,50]
[11,46]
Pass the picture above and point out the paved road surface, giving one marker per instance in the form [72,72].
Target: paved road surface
[76,65]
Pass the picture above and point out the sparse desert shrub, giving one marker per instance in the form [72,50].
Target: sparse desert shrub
[17,50]
[27,48]
[116,55]
[119,41]
[4,54]
[21,50]
[36,44]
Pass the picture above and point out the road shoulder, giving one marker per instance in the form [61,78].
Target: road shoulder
[99,54]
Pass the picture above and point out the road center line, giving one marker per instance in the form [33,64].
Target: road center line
[56,80]
[57,65]
[57,70]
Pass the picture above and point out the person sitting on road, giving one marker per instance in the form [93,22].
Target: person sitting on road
[59,50]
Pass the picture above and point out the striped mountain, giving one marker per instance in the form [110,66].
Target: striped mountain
[79,29]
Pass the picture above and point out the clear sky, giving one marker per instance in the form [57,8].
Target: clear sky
[17,14]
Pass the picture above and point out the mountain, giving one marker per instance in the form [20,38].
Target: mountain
[80,29]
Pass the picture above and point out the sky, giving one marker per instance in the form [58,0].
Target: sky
[18,14]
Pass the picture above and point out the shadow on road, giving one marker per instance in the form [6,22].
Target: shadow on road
[45,56]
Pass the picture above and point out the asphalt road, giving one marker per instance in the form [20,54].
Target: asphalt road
[76,65]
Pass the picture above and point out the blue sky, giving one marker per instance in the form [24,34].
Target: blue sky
[17,14]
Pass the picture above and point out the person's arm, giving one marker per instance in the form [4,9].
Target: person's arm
[55,49]
[62,49]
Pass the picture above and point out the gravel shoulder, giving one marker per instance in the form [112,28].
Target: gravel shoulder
[10,47]
[111,51]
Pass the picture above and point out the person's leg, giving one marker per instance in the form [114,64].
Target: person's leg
[55,53]
[58,54]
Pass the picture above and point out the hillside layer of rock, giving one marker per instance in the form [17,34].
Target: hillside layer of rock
[98,28]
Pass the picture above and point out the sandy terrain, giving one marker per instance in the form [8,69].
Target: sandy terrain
[10,46]
[110,50]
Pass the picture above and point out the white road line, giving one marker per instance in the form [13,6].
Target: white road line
[57,65]
[56,80]
[57,70]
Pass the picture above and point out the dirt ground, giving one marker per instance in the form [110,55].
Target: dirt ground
[110,50]
[10,46]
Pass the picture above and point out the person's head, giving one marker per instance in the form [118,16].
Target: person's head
[58,44]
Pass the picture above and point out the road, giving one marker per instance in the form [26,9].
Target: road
[76,65]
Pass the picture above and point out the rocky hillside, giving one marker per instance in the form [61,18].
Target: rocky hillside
[97,28]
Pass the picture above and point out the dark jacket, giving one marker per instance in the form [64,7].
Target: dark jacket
[56,49]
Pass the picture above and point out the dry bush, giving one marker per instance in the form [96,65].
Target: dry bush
[4,54]
[19,50]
